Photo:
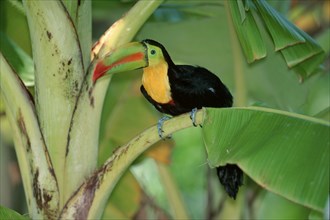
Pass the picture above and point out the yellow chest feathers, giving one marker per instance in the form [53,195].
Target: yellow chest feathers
[156,83]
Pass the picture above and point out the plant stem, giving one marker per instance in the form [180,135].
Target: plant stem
[240,86]
[37,172]
[172,192]
[89,200]
[83,134]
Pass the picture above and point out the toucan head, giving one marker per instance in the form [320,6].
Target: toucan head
[131,56]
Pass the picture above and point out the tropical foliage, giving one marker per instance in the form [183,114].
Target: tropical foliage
[67,130]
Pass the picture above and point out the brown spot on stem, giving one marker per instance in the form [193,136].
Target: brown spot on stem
[76,86]
[42,197]
[22,128]
[68,142]
[83,208]
[49,35]
[51,171]
[91,97]
[46,198]
[2,114]
[36,189]
[87,192]
[92,101]
[90,91]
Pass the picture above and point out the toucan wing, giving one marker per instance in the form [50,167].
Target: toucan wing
[196,87]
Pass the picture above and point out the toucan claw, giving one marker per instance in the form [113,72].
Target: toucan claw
[193,116]
[160,126]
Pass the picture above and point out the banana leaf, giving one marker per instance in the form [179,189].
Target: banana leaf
[284,152]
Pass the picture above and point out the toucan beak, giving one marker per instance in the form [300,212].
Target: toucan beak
[127,57]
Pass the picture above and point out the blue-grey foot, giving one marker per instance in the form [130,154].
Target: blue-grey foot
[193,116]
[160,125]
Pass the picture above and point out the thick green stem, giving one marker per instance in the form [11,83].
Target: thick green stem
[240,86]
[59,73]
[82,146]
[90,199]
[37,172]
[174,197]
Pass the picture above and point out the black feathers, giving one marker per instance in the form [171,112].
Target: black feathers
[231,177]
[197,87]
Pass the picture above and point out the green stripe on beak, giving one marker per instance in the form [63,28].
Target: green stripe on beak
[127,57]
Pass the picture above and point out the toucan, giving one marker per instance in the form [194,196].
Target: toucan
[173,89]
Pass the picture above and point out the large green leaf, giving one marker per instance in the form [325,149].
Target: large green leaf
[284,152]
[273,206]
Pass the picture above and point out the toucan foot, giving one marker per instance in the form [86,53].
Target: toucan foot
[160,126]
[193,116]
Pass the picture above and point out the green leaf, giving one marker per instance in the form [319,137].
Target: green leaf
[324,114]
[298,53]
[273,206]
[273,147]
[317,216]
[298,48]
[18,59]
[310,66]
[247,32]
[241,8]
[9,214]
[280,29]
[323,40]
[12,15]
[306,58]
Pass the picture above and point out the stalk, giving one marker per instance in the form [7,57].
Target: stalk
[59,73]
[173,194]
[91,197]
[82,146]
[39,181]
[239,78]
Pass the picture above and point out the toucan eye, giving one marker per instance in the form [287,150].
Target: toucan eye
[152,52]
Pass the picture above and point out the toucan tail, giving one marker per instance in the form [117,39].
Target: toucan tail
[231,177]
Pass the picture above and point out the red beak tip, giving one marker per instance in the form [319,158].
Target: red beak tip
[99,71]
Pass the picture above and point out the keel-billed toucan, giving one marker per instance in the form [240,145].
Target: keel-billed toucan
[173,89]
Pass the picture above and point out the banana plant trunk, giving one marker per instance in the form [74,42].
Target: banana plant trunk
[56,130]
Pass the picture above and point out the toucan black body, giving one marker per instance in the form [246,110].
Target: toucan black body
[192,87]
